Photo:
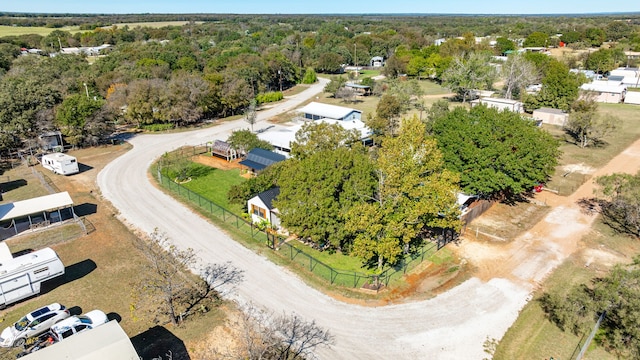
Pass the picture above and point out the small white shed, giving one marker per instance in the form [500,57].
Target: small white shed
[551,116]
[261,207]
[60,163]
[500,104]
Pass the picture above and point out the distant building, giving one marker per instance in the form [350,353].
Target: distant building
[376,61]
[551,116]
[605,92]
[500,104]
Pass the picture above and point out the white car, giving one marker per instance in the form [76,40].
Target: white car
[78,323]
[33,324]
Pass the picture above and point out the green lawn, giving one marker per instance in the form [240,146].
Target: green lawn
[335,260]
[214,184]
[627,132]
[432,88]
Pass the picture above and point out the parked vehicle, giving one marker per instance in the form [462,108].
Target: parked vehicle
[60,163]
[21,277]
[77,323]
[64,329]
[33,324]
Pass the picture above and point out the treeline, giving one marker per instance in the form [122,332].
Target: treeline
[180,75]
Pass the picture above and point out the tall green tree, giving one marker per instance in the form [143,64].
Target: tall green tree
[413,191]
[75,114]
[467,74]
[536,39]
[317,191]
[497,154]
[560,88]
[316,136]
[246,140]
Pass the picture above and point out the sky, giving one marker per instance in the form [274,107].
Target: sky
[320,7]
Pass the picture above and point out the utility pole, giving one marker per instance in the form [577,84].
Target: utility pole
[355,56]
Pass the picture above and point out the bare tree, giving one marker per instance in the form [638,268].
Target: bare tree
[169,277]
[250,114]
[263,335]
[518,73]
[586,125]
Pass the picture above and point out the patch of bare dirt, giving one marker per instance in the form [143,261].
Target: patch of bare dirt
[218,163]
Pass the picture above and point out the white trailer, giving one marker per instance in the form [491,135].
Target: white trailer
[60,163]
[21,277]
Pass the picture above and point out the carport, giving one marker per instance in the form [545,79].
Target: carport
[33,213]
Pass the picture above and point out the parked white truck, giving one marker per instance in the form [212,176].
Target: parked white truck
[21,277]
[60,163]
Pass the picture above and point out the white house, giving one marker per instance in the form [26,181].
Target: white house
[376,61]
[500,104]
[606,93]
[551,116]
[261,207]
[282,136]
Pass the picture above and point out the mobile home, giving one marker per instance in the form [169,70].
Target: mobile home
[21,277]
[60,163]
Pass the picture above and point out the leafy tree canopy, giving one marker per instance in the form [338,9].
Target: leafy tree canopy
[497,154]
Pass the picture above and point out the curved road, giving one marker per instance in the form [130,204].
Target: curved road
[453,325]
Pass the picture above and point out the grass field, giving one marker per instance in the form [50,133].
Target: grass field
[152,24]
[532,336]
[628,131]
[25,30]
[214,184]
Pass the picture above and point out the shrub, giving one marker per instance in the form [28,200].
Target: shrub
[309,76]
[268,97]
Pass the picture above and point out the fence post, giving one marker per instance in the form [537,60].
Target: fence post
[223,215]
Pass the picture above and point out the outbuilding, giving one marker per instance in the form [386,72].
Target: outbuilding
[551,116]
[261,207]
[259,159]
[500,104]
[606,93]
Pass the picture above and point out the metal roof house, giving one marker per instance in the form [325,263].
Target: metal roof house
[317,111]
[606,93]
[282,136]
[261,207]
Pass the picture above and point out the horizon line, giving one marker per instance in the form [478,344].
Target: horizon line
[3,13]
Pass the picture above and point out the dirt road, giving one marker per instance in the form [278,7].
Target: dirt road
[453,325]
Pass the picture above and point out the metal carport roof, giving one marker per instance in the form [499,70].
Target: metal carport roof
[36,205]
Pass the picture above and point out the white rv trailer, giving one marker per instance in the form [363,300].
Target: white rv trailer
[21,277]
[60,163]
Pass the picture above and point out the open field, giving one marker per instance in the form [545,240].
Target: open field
[152,24]
[576,164]
[532,336]
[25,30]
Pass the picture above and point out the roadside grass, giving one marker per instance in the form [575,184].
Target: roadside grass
[295,90]
[532,335]
[38,30]
[336,260]
[566,182]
